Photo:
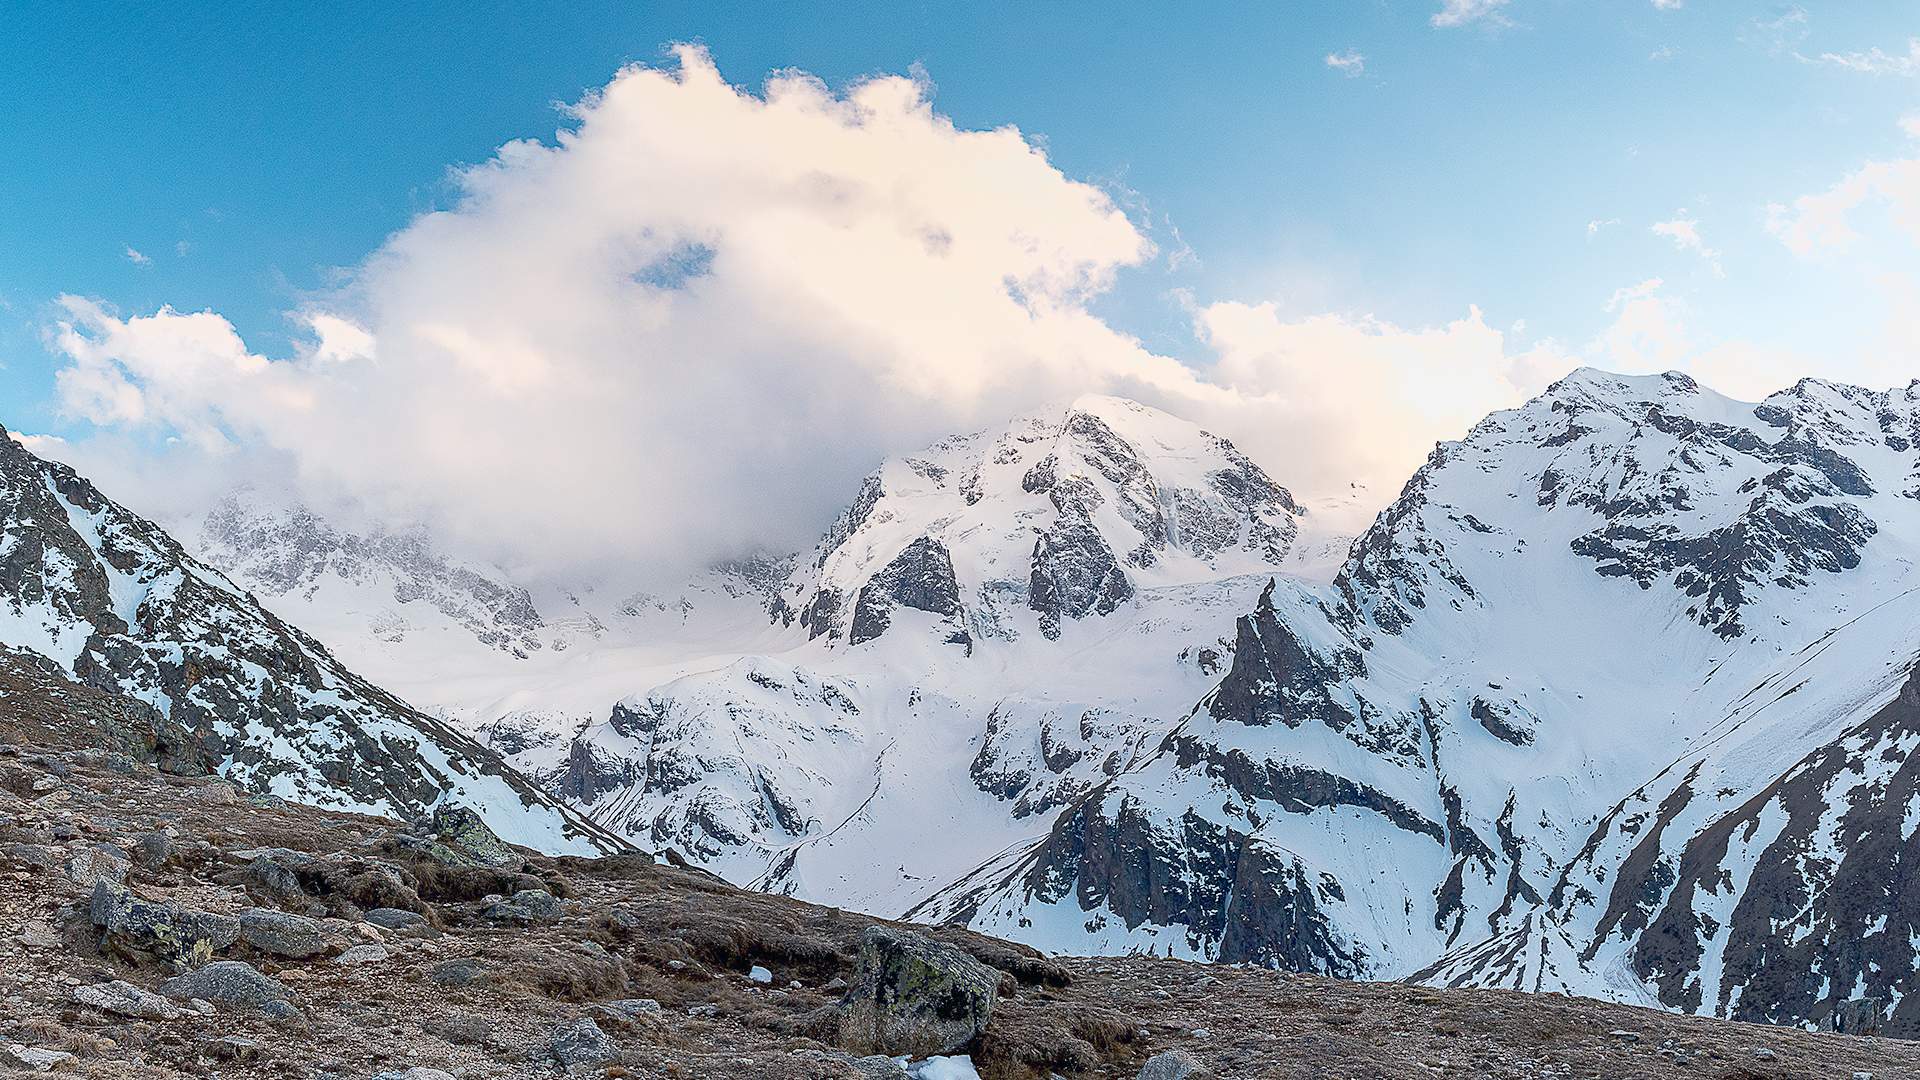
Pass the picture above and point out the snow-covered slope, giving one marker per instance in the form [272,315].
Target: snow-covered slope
[1608,685]
[115,603]
[996,625]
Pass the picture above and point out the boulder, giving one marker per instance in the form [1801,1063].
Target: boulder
[525,906]
[34,1058]
[912,995]
[100,863]
[125,999]
[418,1072]
[180,937]
[1174,1065]
[580,1043]
[278,933]
[457,836]
[361,954]
[397,919]
[464,971]
[231,983]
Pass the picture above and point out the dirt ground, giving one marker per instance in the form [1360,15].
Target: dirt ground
[479,995]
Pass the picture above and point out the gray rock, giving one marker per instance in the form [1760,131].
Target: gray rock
[152,849]
[231,983]
[880,1067]
[397,919]
[125,999]
[634,1007]
[1174,1065]
[418,1072]
[465,971]
[580,1043]
[178,936]
[99,863]
[458,837]
[525,906]
[278,933]
[33,1058]
[912,995]
[362,954]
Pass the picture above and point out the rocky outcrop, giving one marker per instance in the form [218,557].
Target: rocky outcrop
[921,578]
[914,996]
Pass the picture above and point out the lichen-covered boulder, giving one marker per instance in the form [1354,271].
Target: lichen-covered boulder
[177,936]
[233,984]
[456,836]
[912,995]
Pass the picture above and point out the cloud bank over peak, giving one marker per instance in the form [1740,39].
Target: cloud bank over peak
[687,325]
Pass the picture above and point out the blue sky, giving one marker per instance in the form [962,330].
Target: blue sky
[1517,161]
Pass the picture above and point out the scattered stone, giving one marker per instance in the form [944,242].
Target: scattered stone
[388,918]
[465,971]
[880,1067]
[1624,1035]
[35,1059]
[152,849]
[1761,1053]
[761,975]
[634,1007]
[236,1049]
[278,933]
[580,1043]
[362,954]
[101,863]
[418,1072]
[912,995]
[125,999]
[1174,1065]
[525,906]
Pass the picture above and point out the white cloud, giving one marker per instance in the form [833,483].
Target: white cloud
[1824,221]
[136,258]
[1877,61]
[1344,398]
[1349,63]
[1911,125]
[1463,12]
[1668,5]
[1594,227]
[1684,231]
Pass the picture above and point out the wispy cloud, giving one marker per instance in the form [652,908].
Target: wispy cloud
[1877,61]
[1349,63]
[136,258]
[1782,30]
[1464,12]
[1663,53]
[1684,231]
[1668,5]
[1594,227]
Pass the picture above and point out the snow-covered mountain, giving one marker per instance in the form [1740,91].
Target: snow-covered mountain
[1616,698]
[109,600]
[996,625]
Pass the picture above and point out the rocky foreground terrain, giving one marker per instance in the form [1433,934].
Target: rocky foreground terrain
[157,922]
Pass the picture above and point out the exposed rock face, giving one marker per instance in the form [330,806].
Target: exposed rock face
[920,577]
[107,598]
[912,995]
[1074,575]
